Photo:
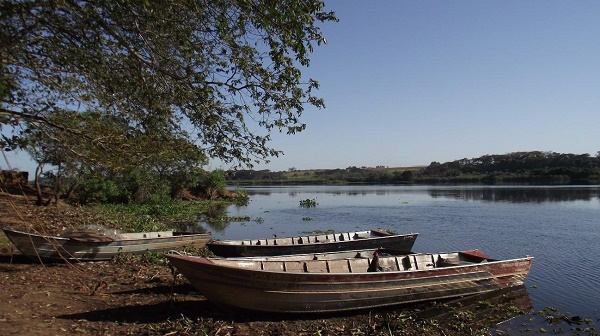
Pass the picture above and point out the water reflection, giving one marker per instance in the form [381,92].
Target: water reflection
[477,193]
[519,195]
[512,194]
[215,217]
[486,310]
[475,312]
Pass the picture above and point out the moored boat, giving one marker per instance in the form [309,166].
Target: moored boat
[90,246]
[364,254]
[311,286]
[370,239]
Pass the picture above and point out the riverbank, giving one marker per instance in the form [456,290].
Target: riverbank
[139,296]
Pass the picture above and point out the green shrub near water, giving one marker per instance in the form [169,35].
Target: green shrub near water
[242,198]
[149,217]
[99,190]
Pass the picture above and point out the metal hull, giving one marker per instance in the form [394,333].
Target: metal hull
[313,244]
[299,292]
[43,247]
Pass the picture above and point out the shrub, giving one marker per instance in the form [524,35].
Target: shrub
[99,190]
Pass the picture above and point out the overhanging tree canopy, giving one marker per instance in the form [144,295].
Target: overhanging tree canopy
[205,71]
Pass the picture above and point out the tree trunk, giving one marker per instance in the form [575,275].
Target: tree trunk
[70,191]
[38,189]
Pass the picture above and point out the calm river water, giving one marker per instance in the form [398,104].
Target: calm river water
[559,226]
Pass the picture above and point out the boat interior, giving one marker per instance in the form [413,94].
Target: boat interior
[323,238]
[140,235]
[159,234]
[359,263]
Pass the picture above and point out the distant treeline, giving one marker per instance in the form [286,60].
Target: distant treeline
[513,168]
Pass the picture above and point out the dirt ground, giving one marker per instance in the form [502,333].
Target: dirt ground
[139,296]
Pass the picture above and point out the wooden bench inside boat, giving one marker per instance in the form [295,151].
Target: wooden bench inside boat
[324,238]
[360,264]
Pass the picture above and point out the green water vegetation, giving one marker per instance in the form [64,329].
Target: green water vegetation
[150,217]
[241,197]
[535,167]
[149,202]
[206,202]
[561,323]
[318,232]
[308,203]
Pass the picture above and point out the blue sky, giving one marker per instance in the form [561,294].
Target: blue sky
[410,82]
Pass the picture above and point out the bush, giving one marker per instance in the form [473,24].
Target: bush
[241,198]
[99,190]
[214,185]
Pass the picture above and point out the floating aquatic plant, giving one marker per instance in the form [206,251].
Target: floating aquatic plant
[309,203]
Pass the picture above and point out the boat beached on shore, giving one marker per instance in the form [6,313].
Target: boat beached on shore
[93,246]
[311,286]
[328,242]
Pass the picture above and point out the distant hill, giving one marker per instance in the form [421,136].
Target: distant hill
[380,169]
[534,167]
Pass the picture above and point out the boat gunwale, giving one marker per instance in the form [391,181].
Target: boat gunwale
[207,261]
[240,242]
[83,242]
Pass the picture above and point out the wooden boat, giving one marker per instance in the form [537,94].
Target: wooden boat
[313,244]
[311,286]
[89,246]
[350,254]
